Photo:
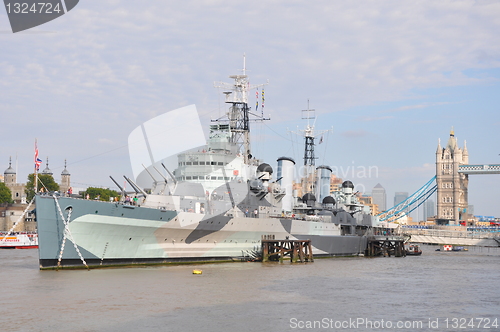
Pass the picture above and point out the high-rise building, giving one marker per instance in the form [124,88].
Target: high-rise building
[471,210]
[429,210]
[379,197]
[399,197]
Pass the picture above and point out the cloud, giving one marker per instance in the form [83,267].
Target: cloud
[418,106]
[374,118]
[355,133]
[112,65]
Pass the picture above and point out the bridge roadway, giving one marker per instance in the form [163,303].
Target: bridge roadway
[454,237]
[479,169]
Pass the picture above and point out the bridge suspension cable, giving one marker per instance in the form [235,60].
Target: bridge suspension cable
[411,203]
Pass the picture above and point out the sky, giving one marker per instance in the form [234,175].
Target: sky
[387,79]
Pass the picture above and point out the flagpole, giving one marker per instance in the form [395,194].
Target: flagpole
[36,168]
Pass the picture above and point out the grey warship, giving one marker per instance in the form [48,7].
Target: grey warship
[216,206]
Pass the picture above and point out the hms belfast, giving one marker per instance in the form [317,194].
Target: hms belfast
[216,205]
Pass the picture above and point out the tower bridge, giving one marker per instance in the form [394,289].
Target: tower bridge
[451,184]
[452,180]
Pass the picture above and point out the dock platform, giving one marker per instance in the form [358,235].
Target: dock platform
[278,250]
[387,246]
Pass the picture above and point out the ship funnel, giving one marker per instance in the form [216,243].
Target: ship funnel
[323,177]
[286,172]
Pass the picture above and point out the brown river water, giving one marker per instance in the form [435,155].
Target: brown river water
[438,291]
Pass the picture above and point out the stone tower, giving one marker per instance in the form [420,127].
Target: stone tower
[452,186]
[10,176]
[65,180]
[17,189]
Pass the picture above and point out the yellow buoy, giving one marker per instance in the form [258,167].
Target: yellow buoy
[197,271]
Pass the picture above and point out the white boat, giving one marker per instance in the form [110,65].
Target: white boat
[18,241]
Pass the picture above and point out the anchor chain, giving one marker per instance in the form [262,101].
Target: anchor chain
[67,234]
[61,251]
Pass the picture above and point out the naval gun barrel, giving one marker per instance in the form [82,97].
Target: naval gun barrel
[135,186]
[151,175]
[122,190]
[169,173]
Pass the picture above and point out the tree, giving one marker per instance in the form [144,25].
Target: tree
[100,193]
[45,181]
[5,194]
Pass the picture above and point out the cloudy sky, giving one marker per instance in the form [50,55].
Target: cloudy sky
[390,78]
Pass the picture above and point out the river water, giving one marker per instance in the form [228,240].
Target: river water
[438,291]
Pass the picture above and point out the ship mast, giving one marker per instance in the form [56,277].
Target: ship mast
[309,157]
[239,112]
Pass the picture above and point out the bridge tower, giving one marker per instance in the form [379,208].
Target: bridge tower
[452,198]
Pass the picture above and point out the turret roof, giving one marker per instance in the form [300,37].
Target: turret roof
[47,169]
[10,170]
[65,171]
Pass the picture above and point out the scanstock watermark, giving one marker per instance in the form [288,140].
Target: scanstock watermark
[26,14]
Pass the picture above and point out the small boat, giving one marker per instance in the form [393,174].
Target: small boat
[449,247]
[413,250]
[19,241]
[459,248]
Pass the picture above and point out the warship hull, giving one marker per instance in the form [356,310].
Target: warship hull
[76,232]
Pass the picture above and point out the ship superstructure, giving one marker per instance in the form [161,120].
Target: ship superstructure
[217,205]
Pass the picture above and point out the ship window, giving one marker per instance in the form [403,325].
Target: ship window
[202,163]
[227,178]
[220,163]
[213,163]
[188,178]
[220,178]
[195,177]
[213,178]
[188,163]
[195,163]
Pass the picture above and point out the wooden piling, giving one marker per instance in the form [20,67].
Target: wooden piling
[278,250]
[386,246]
